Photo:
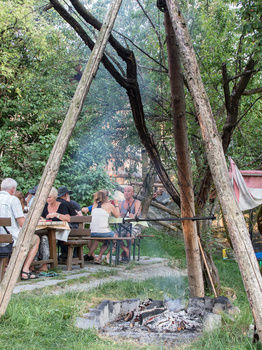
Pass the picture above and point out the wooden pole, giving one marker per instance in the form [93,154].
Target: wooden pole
[216,159]
[52,166]
[207,268]
[194,268]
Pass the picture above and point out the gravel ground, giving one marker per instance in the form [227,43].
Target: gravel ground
[144,269]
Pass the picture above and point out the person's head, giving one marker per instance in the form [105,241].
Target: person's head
[9,185]
[128,192]
[78,67]
[52,196]
[21,197]
[101,196]
[33,190]
[64,193]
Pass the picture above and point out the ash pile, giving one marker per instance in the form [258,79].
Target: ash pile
[170,321]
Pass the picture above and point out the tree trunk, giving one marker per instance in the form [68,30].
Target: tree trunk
[147,191]
[195,277]
[234,218]
[52,166]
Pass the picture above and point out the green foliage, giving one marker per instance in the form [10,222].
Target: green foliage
[39,53]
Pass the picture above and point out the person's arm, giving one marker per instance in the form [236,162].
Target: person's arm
[115,209]
[137,208]
[85,210]
[20,221]
[59,216]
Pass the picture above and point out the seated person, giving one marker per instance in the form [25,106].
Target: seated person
[56,211]
[10,206]
[73,210]
[129,208]
[21,197]
[86,210]
[101,211]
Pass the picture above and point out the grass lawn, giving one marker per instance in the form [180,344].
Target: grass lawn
[38,320]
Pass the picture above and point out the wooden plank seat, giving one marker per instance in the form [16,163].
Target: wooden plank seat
[79,237]
[4,238]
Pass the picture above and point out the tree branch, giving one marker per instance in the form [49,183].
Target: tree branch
[252,91]
[226,86]
[88,41]
[130,84]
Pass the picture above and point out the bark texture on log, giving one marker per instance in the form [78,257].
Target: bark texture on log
[195,277]
[52,166]
[234,218]
[148,191]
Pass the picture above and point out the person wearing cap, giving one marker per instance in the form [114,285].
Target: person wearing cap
[73,210]
[64,195]
[31,195]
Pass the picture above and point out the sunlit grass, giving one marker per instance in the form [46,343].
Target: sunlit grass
[38,320]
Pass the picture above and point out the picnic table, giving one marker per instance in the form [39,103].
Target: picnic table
[55,230]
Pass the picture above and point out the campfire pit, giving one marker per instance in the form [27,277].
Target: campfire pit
[156,321]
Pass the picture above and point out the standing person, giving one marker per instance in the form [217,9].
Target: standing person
[10,206]
[129,208]
[101,211]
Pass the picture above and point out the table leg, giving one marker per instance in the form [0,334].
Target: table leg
[110,258]
[134,249]
[52,247]
[129,249]
[138,253]
[117,252]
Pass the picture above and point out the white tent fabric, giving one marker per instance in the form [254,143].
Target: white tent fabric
[247,185]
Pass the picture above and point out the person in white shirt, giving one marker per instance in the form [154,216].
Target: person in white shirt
[101,211]
[10,206]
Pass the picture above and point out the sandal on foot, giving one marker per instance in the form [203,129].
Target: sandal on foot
[98,261]
[105,262]
[30,276]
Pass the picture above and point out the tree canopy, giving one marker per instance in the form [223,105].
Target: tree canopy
[39,53]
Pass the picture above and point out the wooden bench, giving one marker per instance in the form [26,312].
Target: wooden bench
[4,238]
[79,237]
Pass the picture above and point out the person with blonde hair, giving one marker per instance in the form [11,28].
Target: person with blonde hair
[101,211]
[55,211]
